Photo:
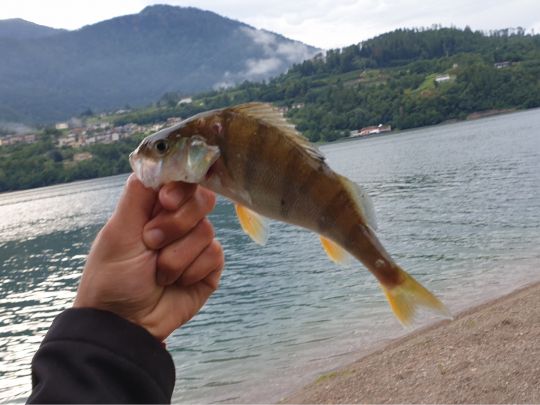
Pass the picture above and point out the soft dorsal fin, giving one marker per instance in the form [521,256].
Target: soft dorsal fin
[271,115]
[363,201]
[255,225]
[336,253]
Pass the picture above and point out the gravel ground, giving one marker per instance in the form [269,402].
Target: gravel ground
[488,354]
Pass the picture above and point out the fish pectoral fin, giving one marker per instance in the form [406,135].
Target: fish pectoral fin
[336,253]
[255,225]
[408,295]
[362,200]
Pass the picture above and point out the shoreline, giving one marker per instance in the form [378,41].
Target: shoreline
[488,353]
[475,116]
[479,115]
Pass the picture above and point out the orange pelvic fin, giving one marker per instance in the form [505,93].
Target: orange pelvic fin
[255,225]
[335,252]
[410,294]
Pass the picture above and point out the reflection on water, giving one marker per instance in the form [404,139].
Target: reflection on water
[458,206]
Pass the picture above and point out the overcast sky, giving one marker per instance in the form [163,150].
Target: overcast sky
[322,23]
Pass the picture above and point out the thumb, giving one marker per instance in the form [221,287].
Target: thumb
[134,209]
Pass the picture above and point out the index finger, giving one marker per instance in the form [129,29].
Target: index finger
[169,226]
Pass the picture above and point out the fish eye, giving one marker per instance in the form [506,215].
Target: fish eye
[161,146]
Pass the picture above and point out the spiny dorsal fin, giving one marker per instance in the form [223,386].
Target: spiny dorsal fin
[363,201]
[255,225]
[272,116]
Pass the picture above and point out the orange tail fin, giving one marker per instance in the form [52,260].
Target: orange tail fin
[405,298]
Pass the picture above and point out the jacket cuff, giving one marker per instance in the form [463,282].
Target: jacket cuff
[110,331]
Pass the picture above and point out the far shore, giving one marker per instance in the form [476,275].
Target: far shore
[487,354]
[473,116]
[479,115]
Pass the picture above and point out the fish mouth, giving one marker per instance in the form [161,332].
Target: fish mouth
[148,171]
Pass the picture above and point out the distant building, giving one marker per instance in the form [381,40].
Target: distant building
[442,78]
[502,65]
[185,100]
[29,138]
[69,140]
[75,123]
[61,125]
[13,139]
[173,120]
[375,129]
[79,157]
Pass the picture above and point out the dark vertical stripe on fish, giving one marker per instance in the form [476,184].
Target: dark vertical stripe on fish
[334,209]
[256,144]
[305,187]
[288,193]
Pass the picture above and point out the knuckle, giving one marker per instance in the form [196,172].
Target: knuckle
[211,200]
[215,248]
[214,279]
[184,221]
[170,262]
[208,199]
[206,229]
[216,251]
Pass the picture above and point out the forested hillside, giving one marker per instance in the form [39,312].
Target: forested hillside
[407,78]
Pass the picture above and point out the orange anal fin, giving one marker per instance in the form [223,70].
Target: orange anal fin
[255,225]
[336,253]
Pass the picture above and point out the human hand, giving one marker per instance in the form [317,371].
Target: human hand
[155,262]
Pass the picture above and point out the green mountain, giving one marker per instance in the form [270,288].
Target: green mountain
[133,60]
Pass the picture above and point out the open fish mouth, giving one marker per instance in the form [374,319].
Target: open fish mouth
[148,171]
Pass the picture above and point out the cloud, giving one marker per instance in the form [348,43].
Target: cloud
[295,51]
[262,67]
[322,23]
[278,54]
[338,23]
[260,37]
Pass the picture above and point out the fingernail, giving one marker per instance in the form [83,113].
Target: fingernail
[154,238]
[176,194]
[161,278]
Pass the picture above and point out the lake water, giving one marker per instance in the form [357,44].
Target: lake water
[458,207]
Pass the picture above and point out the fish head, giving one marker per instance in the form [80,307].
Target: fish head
[173,154]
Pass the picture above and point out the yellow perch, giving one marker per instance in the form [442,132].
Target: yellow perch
[250,154]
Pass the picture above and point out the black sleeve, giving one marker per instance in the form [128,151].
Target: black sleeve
[93,356]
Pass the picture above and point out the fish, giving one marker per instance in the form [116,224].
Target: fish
[250,154]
